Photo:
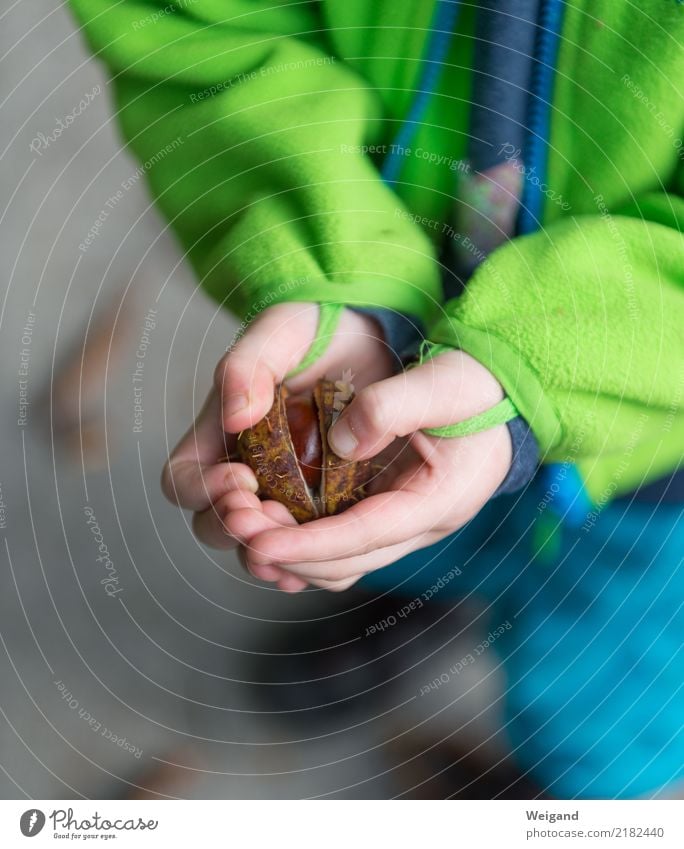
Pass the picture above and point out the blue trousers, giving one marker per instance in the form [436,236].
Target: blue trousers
[594,654]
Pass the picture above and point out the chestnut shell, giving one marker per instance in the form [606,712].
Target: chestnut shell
[289,453]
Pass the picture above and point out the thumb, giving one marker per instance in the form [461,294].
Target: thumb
[246,376]
[448,389]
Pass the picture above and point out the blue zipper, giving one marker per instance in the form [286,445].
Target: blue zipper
[442,30]
[535,154]
[561,483]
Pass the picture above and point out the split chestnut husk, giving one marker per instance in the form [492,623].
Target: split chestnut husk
[289,453]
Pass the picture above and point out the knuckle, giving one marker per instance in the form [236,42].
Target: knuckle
[240,371]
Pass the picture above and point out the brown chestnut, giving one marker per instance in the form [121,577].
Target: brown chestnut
[305,431]
[289,453]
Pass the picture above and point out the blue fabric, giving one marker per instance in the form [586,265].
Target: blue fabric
[570,500]
[536,149]
[594,657]
[437,46]
[402,333]
[668,490]
[525,452]
[506,32]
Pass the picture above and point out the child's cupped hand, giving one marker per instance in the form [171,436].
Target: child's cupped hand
[430,488]
[222,494]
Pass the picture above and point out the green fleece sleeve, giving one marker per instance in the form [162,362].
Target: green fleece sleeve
[583,324]
[253,139]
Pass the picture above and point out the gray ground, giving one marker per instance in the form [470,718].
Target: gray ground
[166,663]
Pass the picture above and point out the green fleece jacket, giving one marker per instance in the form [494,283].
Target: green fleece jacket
[261,126]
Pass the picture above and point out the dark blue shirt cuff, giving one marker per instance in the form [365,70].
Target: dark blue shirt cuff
[525,457]
[403,333]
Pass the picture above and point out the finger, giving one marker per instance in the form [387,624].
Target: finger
[247,523]
[325,574]
[291,583]
[279,513]
[445,390]
[192,478]
[193,486]
[210,526]
[268,574]
[379,521]
[245,378]
[336,586]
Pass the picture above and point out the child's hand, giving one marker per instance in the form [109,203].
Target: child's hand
[244,381]
[432,488]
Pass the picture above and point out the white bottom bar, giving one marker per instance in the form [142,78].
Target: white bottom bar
[342,825]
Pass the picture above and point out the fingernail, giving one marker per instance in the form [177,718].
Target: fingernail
[250,484]
[235,403]
[242,482]
[342,440]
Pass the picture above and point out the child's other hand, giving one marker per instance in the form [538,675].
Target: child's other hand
[432,487]
[244,381]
